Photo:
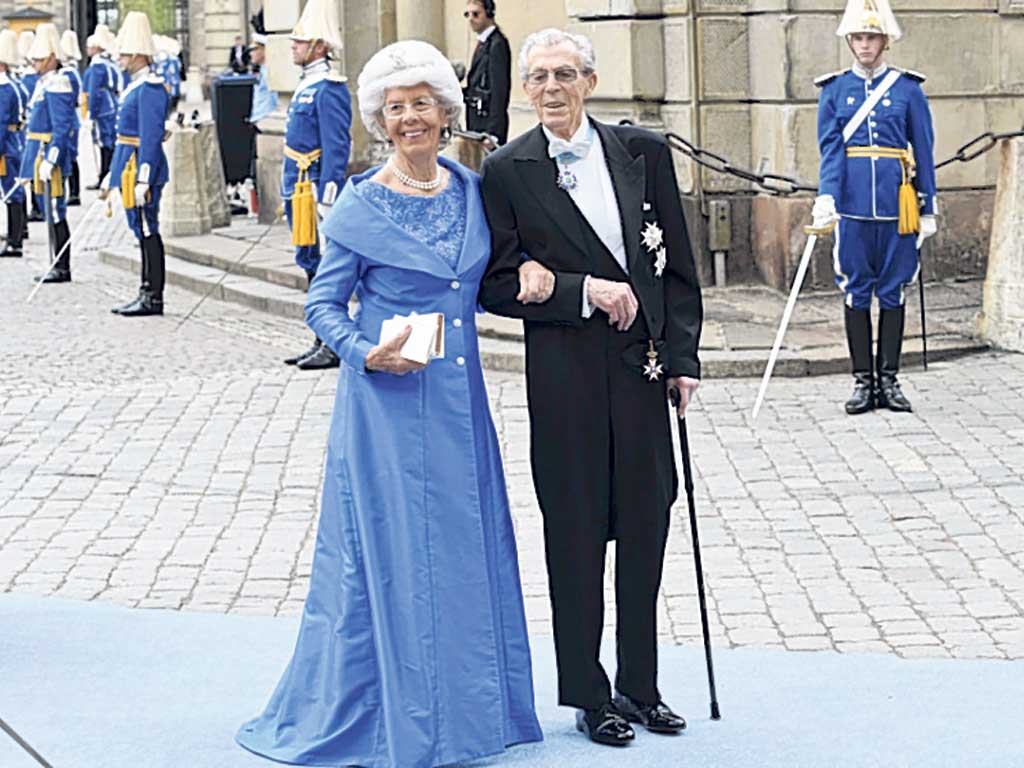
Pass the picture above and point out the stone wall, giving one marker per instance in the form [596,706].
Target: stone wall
[736,76]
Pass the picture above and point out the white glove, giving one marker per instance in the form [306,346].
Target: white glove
[929,226]
[323,210]
[45,170]
[140,194]
[824,212]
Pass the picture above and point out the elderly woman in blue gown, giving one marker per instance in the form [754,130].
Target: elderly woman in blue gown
[413,649]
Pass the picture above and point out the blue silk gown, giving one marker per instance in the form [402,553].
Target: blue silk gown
[413,649]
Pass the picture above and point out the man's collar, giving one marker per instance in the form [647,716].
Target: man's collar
[314,67]
[869,74]
[581,133]
[140,74]
[482,37]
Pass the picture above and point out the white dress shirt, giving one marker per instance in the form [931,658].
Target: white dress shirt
[482,37]
[595,197]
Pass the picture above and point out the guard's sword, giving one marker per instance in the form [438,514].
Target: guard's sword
[53,262]
[812,239]
[12,190]
[51,233]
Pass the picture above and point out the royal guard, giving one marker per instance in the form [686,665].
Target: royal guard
[139,167]
[48,153]
[12,111]
[102,84]
[29,78]
[317,143]
[72,57]
[878,186]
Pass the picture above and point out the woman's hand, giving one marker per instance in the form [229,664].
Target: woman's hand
[387,357]
[536,283]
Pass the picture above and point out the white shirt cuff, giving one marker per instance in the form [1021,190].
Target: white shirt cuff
[588,308]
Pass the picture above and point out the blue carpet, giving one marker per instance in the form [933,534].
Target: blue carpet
[96,686]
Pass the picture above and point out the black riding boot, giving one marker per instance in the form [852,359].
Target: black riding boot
[106,155]
[858,337]
[61,271]
[74,186]
[15,225]
[24,219]
[143,282]
[890,345]
[151,296]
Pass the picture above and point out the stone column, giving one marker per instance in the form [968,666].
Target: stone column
[420,20]
[1001,322]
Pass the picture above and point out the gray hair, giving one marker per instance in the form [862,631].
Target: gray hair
[547,38]
[404,65]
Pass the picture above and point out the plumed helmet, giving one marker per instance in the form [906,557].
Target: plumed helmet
[46,43]
[69,46]
[869,16]
[135,36]
[319,21]
[9,48]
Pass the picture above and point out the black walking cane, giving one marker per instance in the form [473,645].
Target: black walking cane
[24,744]
[684,445]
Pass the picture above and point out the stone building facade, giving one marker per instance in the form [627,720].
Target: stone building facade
[734,76]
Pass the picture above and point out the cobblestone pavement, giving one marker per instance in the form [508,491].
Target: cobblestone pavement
[156,466]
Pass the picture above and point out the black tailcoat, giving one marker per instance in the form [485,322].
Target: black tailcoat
[601,446]
[488,87]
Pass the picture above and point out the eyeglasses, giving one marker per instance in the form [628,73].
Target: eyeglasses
[539,77]
[396,109]
[472,14]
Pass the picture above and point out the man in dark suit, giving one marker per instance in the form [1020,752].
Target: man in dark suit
[490,74]
[591,250]
[239,59]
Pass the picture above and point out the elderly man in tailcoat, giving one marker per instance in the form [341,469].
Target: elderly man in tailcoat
[590,249]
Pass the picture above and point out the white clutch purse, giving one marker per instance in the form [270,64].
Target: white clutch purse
[425,343]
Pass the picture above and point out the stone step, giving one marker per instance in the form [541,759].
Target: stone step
[277,287]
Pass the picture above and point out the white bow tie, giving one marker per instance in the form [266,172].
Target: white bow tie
[579,149]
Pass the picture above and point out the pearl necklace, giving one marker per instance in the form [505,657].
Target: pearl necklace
[409,181]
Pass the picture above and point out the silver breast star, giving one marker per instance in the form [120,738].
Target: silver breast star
[652,236]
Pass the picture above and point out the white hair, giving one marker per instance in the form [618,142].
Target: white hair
[404,65]
[550,37]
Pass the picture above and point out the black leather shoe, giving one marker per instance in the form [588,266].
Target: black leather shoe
[656,719]
[10,253]
[891,396]
[144,306]
[863,398]
[300,357]
[605,725]
[36,217]
[55,275]
[74,201]
[123,307]
[320,360]
[93,187]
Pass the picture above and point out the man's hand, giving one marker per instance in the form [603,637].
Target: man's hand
[323,211]
[140,194]
[614,298]
[929,226]
[45,170]
[536,283]
[687,388]
[388,358]
[824,212]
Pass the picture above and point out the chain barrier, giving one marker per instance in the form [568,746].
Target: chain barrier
[779,185]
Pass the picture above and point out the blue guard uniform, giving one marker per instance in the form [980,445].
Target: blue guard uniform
[70,71]
[51,123]
[317,144]
[12,111]
[139,159]
[169,68]
[102,83]
[865,174]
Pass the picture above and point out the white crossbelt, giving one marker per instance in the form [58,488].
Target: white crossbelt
[865,109]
